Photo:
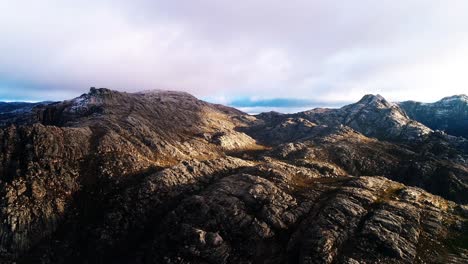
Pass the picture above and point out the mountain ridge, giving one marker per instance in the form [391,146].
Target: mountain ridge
[162,177]
[450,114]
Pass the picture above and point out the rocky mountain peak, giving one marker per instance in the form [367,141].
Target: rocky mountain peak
[372,116]
[371,100]
[99,91]
[95,97]
[374,105]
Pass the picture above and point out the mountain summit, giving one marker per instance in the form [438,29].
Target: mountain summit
[373,116]
[371,99]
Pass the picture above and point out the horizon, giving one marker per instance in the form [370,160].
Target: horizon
[257,105]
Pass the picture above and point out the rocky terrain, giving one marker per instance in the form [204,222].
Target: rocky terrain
[449,114]
[162,177]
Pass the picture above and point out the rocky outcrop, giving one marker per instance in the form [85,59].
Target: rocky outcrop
[449,114]
[233,211]
[40,173]
[132,210]
[246,218]
[373,220]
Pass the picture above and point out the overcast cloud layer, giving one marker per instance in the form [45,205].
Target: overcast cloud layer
[326,51]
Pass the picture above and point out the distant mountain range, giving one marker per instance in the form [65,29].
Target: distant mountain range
[162,177]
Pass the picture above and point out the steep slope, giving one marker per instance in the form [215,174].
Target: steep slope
[449,114]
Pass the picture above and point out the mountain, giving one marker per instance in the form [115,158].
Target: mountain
[372,116]
[162,177]
[371,137]
[9,107]
[449,114]
[11,112]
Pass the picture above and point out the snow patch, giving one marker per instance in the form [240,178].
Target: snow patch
[80,103]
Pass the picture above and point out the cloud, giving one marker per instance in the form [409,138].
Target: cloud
[326,51]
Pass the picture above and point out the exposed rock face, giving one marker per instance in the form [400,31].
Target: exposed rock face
[449,114]
[435,162]
[162,177]
[40,173]
[246,218]
[372,116]
[359,155]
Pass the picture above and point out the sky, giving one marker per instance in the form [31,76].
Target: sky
[252,54]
